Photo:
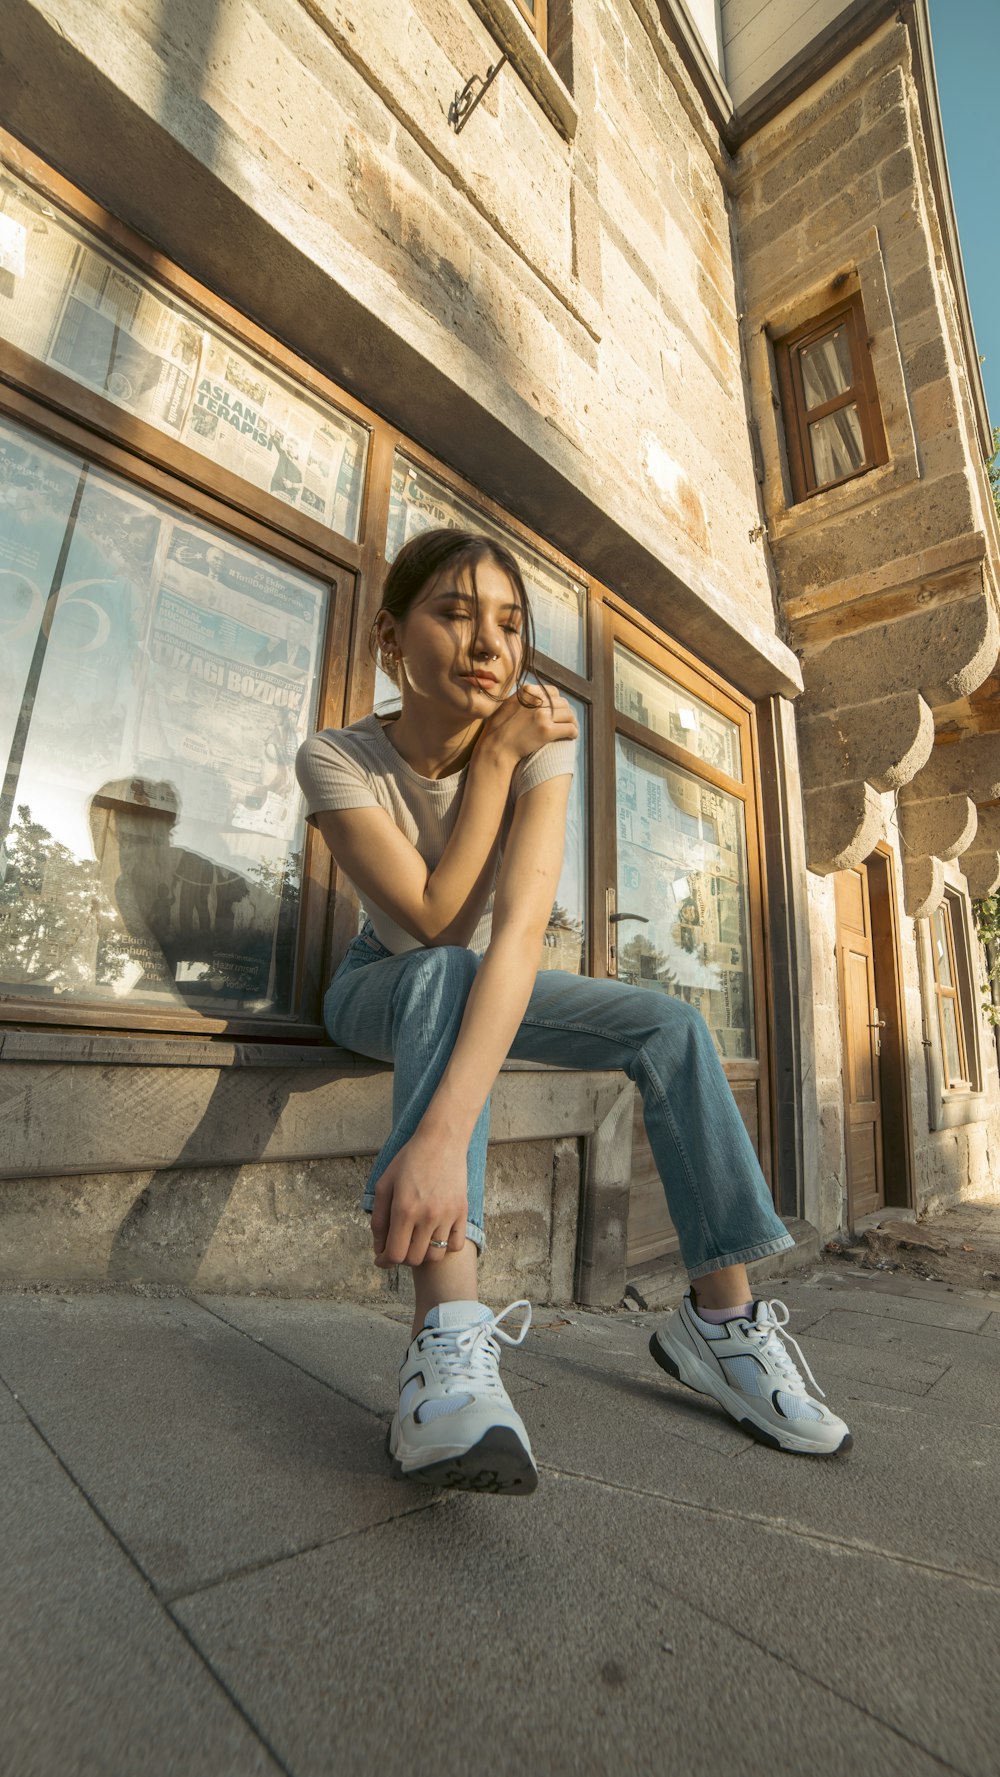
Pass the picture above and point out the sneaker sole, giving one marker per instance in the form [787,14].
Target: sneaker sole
[499,1463]
[791,1445]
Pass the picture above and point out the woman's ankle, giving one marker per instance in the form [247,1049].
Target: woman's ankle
[455,1278]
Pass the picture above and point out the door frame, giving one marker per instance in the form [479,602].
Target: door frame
[894,1072]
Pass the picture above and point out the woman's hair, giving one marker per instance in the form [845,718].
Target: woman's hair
[423,558]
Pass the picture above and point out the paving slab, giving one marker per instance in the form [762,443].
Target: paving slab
[956,1313]
[205,1451]
[915,1481]
[97,1679]
[561,1634]
[356,1351]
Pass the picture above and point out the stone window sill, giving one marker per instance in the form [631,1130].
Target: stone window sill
[832,503]
[955,1109]
[510,30]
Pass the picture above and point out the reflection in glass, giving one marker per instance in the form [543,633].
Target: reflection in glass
[941,952]
[827,370]
[649,697]
[682,865]
[79,306]
[565,944]
[419,502]
[952,1050]
[156,679]
[837,445]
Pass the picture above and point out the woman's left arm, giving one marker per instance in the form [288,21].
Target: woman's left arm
[525,893]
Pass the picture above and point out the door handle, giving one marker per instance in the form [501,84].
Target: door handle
[613,919]
[877,1024]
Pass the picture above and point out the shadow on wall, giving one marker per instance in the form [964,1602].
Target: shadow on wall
[167,1232]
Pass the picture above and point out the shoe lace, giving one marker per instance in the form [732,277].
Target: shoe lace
[769,1331]
[472,1354]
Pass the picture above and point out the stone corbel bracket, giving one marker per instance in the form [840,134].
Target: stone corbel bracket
[939,819]
[866,726]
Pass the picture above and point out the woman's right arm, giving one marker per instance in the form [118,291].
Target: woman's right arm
[445,905]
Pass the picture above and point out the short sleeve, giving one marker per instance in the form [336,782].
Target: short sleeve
[330,778]
[557,759]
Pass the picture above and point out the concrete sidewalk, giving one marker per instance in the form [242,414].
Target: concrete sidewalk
[208,1571]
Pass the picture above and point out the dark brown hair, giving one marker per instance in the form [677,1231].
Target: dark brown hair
[423,558]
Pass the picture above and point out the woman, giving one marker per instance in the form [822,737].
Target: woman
[450,822]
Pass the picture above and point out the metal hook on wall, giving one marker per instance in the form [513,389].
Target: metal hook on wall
[464,103]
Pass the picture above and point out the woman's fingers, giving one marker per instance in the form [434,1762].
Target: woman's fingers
[380,1216]
[438,1246]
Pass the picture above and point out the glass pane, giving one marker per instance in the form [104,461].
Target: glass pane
[827,370]
[72,302]
[565,944]
[156,680]
[949,1040]
[419,502]
[942,955]
[837,446]
[682,865]
[654,700]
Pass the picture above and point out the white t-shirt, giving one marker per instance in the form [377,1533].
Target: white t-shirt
[358,767]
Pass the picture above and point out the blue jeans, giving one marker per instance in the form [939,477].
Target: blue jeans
[408,1009]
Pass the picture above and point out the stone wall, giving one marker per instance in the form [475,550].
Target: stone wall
[887,582]
[547,299]
[285,1228]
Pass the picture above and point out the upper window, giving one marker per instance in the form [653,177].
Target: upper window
[953,996]
[833,425]
[535,11]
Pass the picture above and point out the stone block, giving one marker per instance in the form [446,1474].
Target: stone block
[944,653]
[943,827]
[843,824]
[981,870]
[923,885]
[968,767]
[885,742]
[843,214]
[898,174]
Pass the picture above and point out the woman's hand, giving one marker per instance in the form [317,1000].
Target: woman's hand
[421,1196]
[518,729]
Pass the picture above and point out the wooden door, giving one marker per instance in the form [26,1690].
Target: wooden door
[861,1034]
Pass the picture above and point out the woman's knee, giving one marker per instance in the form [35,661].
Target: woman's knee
[440,974]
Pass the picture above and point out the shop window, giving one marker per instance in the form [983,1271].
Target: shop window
[70,302]
[953,996]
[682,859]
[156,679]
[833,426]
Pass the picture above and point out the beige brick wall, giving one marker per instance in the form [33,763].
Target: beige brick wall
[838,187]
[578,294]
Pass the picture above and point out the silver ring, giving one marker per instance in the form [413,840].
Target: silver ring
[443,1243]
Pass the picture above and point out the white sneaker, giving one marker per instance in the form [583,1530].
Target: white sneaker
[455,1426]
[744,1366]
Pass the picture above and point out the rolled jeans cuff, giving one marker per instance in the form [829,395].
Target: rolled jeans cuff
[473,1231]
[763,1250]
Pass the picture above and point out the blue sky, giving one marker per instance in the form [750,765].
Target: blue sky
[966,36]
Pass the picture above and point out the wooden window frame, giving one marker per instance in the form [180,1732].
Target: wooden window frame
[954,994]
[537,20]
[861,394]
[69,413]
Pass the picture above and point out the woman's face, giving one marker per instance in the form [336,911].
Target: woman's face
[433,644]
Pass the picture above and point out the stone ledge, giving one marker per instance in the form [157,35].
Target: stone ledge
[84,1048]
